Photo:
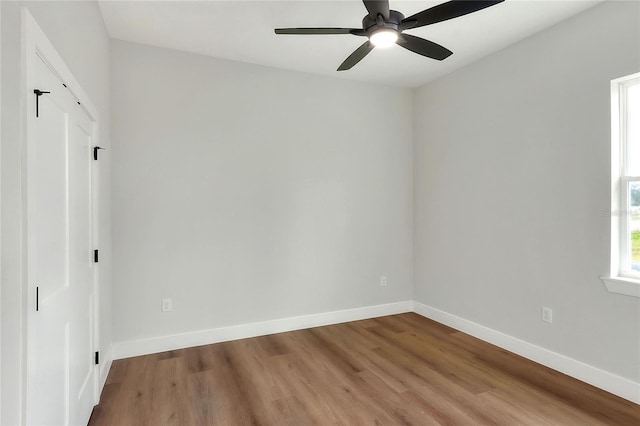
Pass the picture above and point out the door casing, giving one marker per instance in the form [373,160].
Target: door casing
[36,46]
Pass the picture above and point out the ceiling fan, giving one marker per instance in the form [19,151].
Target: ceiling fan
[384,27]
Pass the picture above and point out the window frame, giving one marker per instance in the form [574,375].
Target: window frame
[622,279]
[625,241]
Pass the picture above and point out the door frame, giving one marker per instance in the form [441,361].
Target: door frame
[36,46]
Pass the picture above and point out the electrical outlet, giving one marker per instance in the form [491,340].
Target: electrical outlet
[167,305]
[383,281]
[547,314]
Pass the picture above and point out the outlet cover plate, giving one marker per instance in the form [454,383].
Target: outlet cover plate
[167,305]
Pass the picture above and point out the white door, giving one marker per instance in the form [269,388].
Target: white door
[60,370]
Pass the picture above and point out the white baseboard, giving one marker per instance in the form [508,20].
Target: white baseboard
[103,369]
[604,380]
[131,348]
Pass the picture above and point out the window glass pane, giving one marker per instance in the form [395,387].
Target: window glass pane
[634,222]
[633,129]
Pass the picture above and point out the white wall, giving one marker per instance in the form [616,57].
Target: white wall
[512,190]
[77,31]
[0,223]
[246,193]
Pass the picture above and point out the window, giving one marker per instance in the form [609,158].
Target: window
[625,186]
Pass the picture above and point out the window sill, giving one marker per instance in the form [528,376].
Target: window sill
[622,285]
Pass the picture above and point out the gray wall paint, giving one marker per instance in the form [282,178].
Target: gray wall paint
[243,208]
[247,193]
[77,31]
[512,160]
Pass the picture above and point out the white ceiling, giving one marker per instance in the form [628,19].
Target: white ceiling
[242,30]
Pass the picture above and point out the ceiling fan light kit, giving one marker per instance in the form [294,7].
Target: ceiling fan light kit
[384,27]
[383,38]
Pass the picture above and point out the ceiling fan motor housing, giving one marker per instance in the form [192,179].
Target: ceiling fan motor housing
[371,25]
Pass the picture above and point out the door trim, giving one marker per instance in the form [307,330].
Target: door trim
[36,46]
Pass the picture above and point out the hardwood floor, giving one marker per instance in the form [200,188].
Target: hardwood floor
[396,370]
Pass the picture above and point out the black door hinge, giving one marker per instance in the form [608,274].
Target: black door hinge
[95,256]
[97,358]
[95,151]
[38,93]
[37,298]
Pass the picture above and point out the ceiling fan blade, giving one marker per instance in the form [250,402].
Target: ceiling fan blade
[310,31]
[375,7]
[356,56]
[423,47]
[445,11]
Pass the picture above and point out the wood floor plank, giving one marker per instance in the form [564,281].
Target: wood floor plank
[441,384]
[604,406]
[396,370]
[290,411]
